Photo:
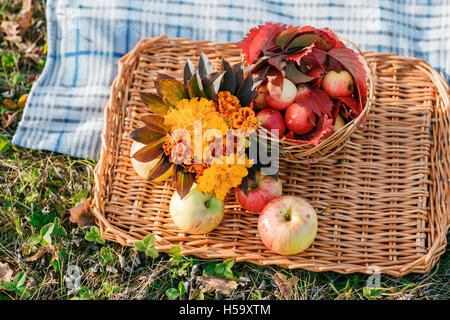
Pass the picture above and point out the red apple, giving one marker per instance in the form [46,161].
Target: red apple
[338,84]
[260,100]
[260,192]
[272,119]
[302,91]
[299,119]
[287,225]
[280,98]
[317,73]
[197,212]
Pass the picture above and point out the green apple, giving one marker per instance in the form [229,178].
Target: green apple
[197,212]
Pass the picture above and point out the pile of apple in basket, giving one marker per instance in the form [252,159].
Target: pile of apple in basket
[299,83]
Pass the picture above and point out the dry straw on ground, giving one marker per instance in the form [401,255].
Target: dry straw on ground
[383,197]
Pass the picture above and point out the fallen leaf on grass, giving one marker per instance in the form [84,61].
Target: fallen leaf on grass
[285,285]
[22,100]
[24,17]
[10,104]
[41,252]
[217,284]
[80,214]
[12,30]
[6,271]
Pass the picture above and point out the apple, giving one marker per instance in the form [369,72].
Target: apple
[299,119]
[143,168]
[260,100]
[287,225]
[317,73]
[302,91]
[272,119]
[280,98]
[340,123]
[197,212]
[259,193]
[338,84]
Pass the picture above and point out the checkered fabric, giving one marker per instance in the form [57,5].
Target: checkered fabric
[64,112]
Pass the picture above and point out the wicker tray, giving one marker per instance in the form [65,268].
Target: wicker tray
[386,192]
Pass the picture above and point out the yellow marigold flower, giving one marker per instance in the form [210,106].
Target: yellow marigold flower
[243,118]
[227,103]
[221,178]
[187,112]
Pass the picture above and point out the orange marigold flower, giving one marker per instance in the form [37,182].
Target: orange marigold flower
[226,103]
[243,118]
[221,178]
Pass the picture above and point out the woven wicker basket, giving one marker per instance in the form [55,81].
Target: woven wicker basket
[383,199]
[307,153]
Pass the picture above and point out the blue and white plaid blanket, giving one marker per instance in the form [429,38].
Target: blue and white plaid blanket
[64,112]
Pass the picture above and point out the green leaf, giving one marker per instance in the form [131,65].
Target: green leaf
[183,181]
[8,286]
[172,293]
[161,167]
[94,235]
[211,83]
[154,103]
[34,239]
[151,151]
[155,122]
[181,287]
[145,135]
[80,196]
[175,250]
[302,41]
[245,93]
[295,75]
[204,66]
[152,252]
[189,71]
[210,268]
[228,80]
[229,263]
[19,279]
[4,144]
[228,274]
[195,87]
[46,232]
[149,240]
[170,90]
[139,245]
[284,36]
[220,268]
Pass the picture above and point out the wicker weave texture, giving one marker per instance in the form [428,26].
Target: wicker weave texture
[382,200]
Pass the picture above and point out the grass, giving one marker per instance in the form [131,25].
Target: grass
[38,188]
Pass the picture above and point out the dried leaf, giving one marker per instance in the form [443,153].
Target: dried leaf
[161,167]
[12,30]
[285,285]
[10,104]
[8,119]
[155,122]
[25,14]
[6,271]
[81,215]
[217,284]
[41,252]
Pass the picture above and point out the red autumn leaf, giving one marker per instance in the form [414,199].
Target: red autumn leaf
[323,129]
[297,56]
[352,104]
[260,39]
[352,63]
[317,101]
